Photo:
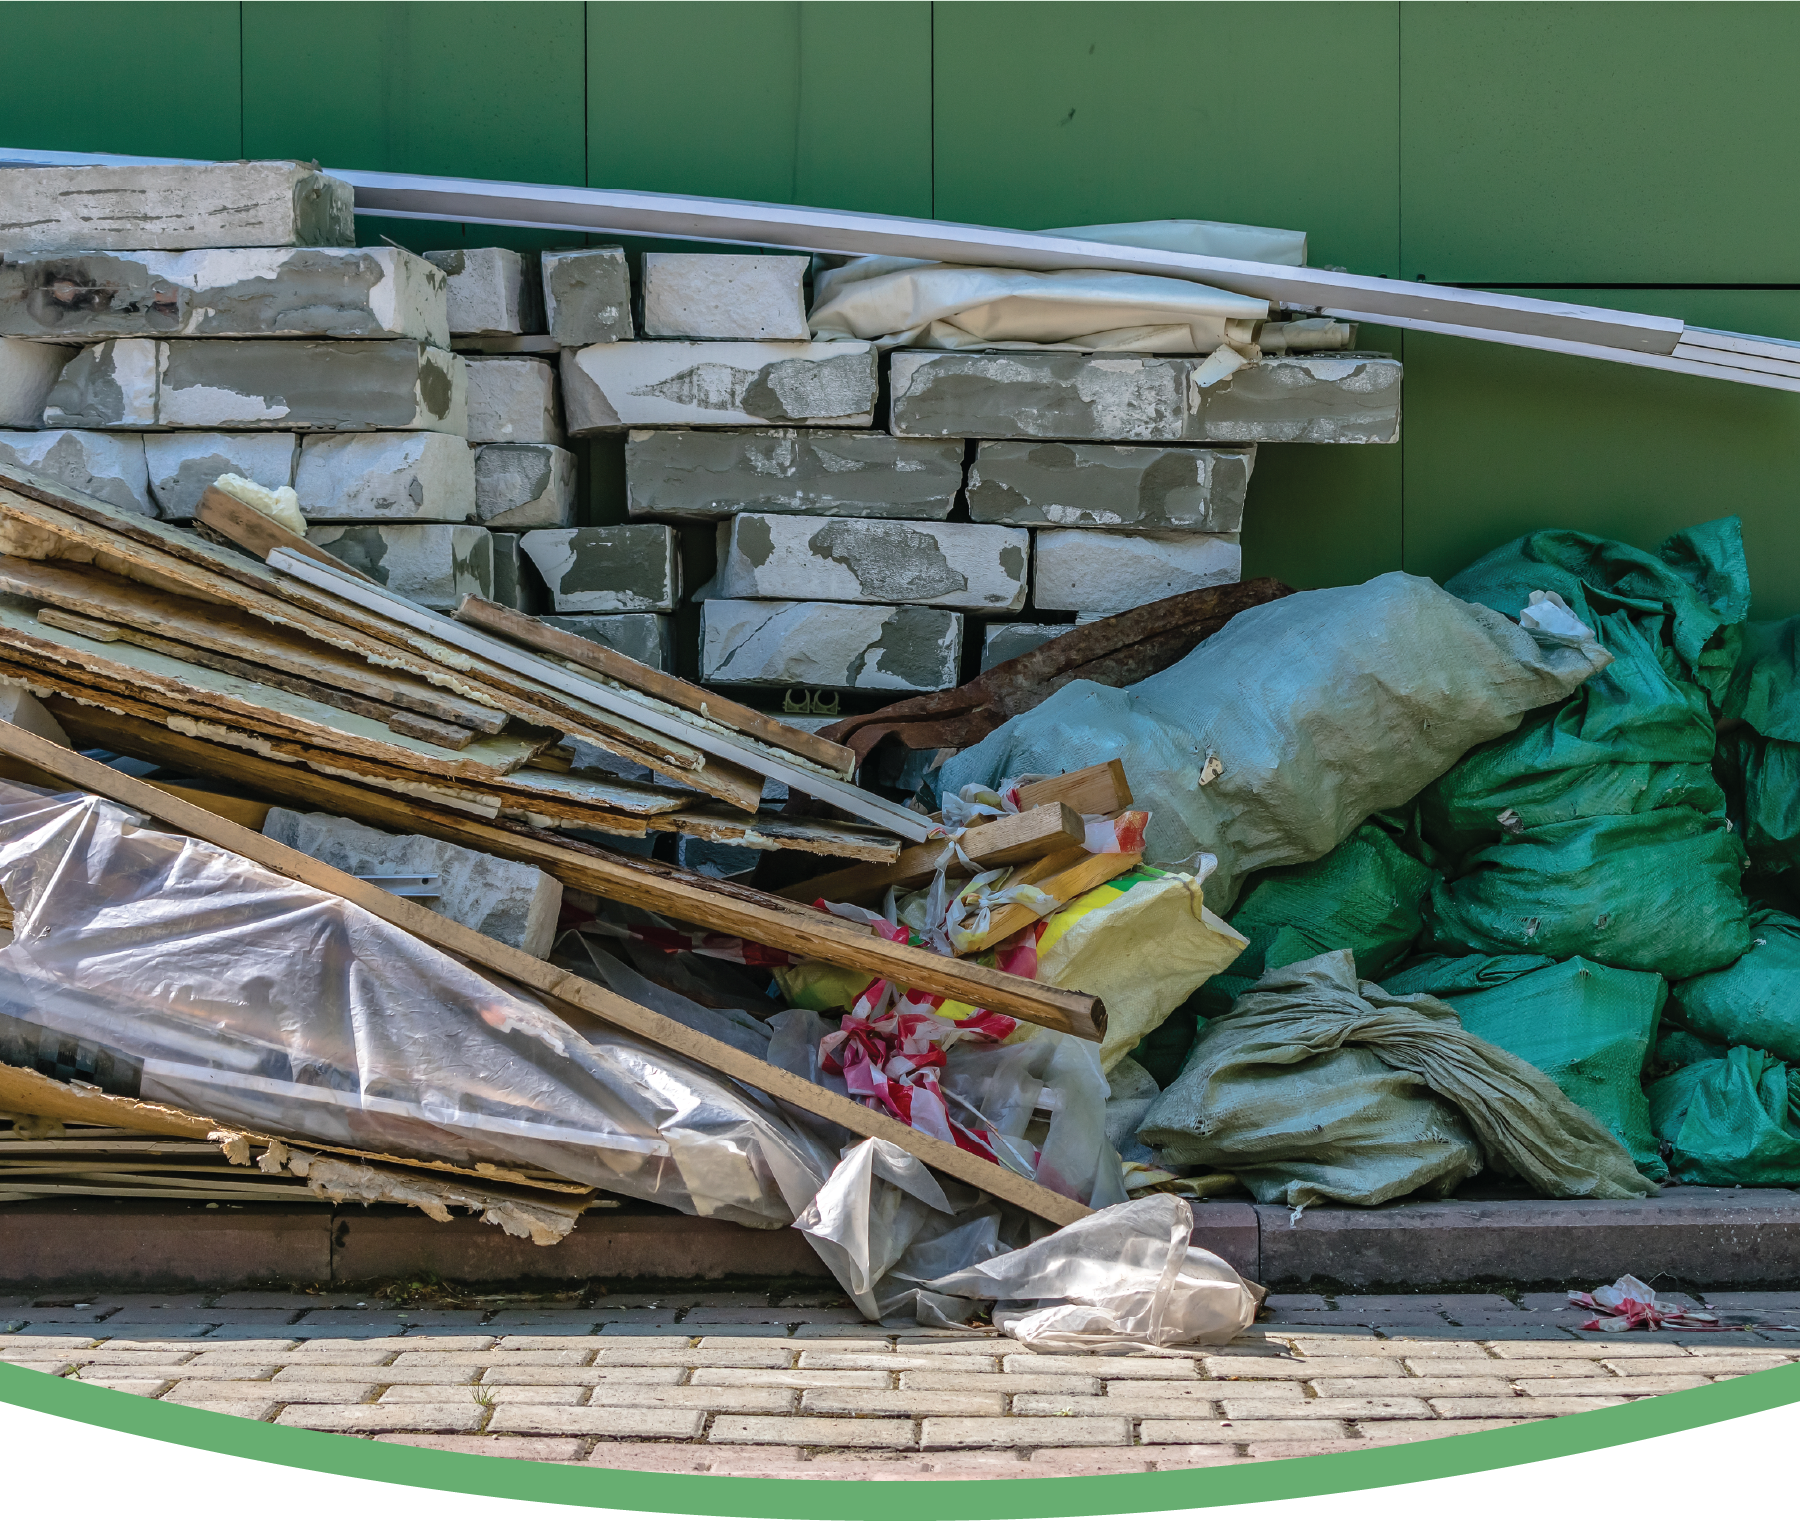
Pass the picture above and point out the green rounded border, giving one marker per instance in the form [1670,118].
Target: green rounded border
[932,1500]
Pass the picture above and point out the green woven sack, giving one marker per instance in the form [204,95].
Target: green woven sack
[1731,1123]
[1756,1000]
[1587,1027]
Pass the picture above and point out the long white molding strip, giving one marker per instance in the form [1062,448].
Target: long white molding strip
[817,784]
[565,208]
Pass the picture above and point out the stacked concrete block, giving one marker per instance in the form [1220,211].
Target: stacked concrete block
[516,582]
[628,568]
[587,296]
[1100,573]
[1043,485]
[513,401]
[862,646]
[28,371]
[609,387]
[107,465]
[743,296]
[433,564]
[647,638]
[524,486]
[183,465]
[491,290]
[385,478]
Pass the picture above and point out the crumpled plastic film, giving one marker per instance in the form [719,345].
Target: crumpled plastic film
[166,968]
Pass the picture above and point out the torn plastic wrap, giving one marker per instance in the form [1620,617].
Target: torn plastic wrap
[161,967]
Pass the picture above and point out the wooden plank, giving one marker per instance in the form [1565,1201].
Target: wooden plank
[240,810]
[1006,841]
[663,889]
[523,629]
[260,534]
[1063,877]
[538,976]
[780,831]
[1092,789]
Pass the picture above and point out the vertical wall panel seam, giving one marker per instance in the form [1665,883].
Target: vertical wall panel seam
[1400,236]
[931,103]
[242,84]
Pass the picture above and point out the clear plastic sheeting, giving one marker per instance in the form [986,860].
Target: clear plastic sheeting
[1125,1278]
[165,968]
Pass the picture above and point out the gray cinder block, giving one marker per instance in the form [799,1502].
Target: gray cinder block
[434,564]
[628,568]
[1307,398]
[975,566]
[647,638]
[1007,641]
[716,295]
[699,475]
[516,583]
[28,371]
[1100,573]
[524,486]
[107,465]
[492,290]
[608,386]
[183,465]
[385,477]
[267,203]
[1032,485]
[513,401]
[223,293]
[277,383]
[830,644]
[505,900]
[587,296]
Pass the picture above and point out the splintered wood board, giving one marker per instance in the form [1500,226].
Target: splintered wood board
[778,831]
[260,533]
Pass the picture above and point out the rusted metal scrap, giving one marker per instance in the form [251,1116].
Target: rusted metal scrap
[1115,652]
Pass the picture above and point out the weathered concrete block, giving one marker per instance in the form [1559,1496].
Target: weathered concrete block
[435,564]
[830,644]
[647,638]
[223,293]
[716,295]
[107,465]
[183,465]
[1302,398]
[609,386]
[1007,641]
[1102,573]
[1109,486]
[516,581]
[513,401]
[282,384]
[697,476]
[268,203]
[628,568]
[524,486]
[27,373]
[976,566]
[386,478]
[587,296]
[506,900]
[492,290]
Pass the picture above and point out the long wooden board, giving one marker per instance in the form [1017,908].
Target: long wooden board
[260,533]
[540,977]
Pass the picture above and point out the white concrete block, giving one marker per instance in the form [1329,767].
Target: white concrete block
[107,465]
[269,203]
[27,372]
[647,638]
[492,290]
[587,296]
[434,564]
[524,486]
[975,566]
[1135,487]
[183,465]
[1007,641]
[386,478]
[1102,573]
[717,295]
[830,644]
[627,568]
[609,386]
[505,900]
[513,401]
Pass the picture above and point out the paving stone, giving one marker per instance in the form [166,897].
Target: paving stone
[385,478]
[1100,1367]
[810,1431]
[647,638]
[717,295]
[1025,1431]
[120,1357]
[1212,1432]
[509,901]
[690,475]
[1355,1346]
[1007,641]
[612,386]
[484,1394]
[223,293]
[287,1391]
[233,1365]
[899,1362]
[655,1397]
[1628,1384]
[373,1418]
[791,1378]
[1448,1303]
[1192,1388]
[327,1373]
[1159,1405]
[1267,1451]
[1489,1367]
[28,371]
[608,1421]
[436,564]
[587,296]
[998,1383]
[1302,1367]
[513,401]
[1057,485]
[1275,1302]
[1521,1405]
[244,1410]
[1045,1463]
[1320,399]
[1391,1433]
[524,485]
[673,1457]
[626,568]
[1079,570]
[182,465]
[267,203]
[54,1368]
[161,1336]
[1744,1302]
[1409,1388]
[585,1376]
[780,1354]
[1570,1350]
[1175,1458]
[278,384]
[1658,1367]
[490,290]
[499,1357]
[520,1449]
[255,1372]
[123,1384]
[971,566]
[1365,1409]
[538,1340]
[915,1402]
[830,644]
[110,466]
[36,1346]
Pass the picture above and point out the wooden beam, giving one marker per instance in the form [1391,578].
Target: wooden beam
[1092,789]
[260,534]
[540,977]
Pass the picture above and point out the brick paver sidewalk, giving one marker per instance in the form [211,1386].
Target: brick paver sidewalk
[747,1384]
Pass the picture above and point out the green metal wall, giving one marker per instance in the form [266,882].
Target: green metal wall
[1634,155]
